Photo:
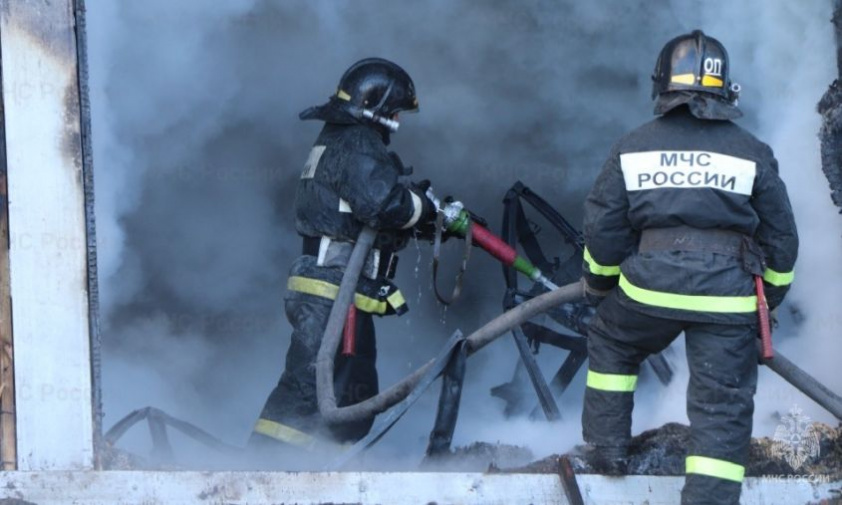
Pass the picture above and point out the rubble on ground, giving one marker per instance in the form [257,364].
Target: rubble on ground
[816,452]
[114,458]
[830,107]
[478,457]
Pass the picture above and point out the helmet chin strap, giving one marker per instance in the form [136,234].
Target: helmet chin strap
[391,124]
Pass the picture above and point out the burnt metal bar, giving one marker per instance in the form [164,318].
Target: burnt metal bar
[545,397]
[805,383]
[448,410]
[661,367]
[568,482]
[564,376]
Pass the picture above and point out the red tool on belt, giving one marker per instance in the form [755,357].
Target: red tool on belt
[349,333]
[763,317]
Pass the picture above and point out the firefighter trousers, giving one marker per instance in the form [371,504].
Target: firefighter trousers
[291,413]
[722,360]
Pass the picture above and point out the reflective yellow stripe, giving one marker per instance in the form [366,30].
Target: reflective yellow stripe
[396,299]
[612,382]
[327,290]
[313,287]
[282,432]
[701,303]
[683,79]
[342,95]
[712,467]
[597,269]
[778,278]
[712,82]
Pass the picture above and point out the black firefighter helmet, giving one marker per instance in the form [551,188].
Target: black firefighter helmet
[371,91]
[697,63]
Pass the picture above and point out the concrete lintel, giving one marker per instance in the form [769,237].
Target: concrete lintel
[302,488]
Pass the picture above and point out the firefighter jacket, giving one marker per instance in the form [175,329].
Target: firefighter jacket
[682,171]
[350,180]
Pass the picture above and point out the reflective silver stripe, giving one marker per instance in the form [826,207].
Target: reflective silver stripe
[372,266]
[312,162]
[417,207]
[344,207]
[324,243]
[334,253]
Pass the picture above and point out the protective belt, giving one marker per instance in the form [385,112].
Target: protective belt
[731,243]
[335,253]
[684,238]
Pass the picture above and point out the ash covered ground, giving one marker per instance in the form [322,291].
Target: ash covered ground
[662,451]
[659,452]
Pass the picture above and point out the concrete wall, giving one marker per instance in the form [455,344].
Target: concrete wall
[257,488]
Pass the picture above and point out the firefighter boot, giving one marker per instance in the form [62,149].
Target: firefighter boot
[608,460]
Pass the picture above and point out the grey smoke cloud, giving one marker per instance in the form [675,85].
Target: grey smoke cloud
[198,148]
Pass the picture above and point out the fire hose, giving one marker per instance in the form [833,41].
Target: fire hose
[457,221]
[474,342]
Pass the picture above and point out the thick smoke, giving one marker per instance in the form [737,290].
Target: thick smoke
[789,68]
[198,148]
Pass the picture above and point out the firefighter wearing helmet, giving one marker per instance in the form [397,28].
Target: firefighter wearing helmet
[688,212]
[349,180]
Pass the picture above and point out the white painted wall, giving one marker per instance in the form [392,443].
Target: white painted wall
[47,232]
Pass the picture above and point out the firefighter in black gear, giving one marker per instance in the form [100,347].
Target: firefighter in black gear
[687,210]
[349,180]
